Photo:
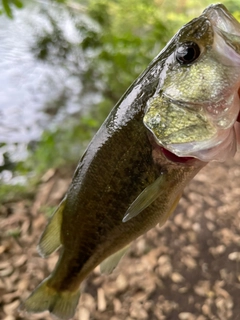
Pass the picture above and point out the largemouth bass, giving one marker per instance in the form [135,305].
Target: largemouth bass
[178,115]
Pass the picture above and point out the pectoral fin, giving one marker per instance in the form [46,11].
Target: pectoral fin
[109,264]
[50,239]
[146,197]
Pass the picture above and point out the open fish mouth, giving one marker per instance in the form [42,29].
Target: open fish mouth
[174,158]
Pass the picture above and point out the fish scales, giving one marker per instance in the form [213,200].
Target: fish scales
[97,181]
[178,115]
[107,196]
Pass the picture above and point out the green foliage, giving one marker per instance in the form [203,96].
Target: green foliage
[117,46]
[121,40]
[13,192]
[15,233]
[65,144]
[48,210]
[7,6]
[130,34]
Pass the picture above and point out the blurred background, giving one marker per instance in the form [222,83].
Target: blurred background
[64,65]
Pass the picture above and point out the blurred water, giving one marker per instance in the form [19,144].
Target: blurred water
[36,94]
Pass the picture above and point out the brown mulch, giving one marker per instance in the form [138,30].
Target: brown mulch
[188,270]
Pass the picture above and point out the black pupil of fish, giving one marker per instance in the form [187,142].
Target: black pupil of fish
[187,53]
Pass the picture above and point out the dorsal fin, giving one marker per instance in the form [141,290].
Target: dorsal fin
[51,237]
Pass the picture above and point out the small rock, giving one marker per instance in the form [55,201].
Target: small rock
[139,296]
[178,220]
[196,227]
[83,314]
[102,304]
[234,256]
[189,262]
[121,283]
[9,297]
[164,259]
[183,290]
[137,311]
[165,270]
[117,305]
[165,267]
[10,317]
[200,291]
[23,284]
[187,225]
[11,308]
[88,301]
[140,247]
[206,310]
[186,316]
[191,250]
[7,271]
[217,251]
[211,226]
[177,277]
[2,248]
[20,261]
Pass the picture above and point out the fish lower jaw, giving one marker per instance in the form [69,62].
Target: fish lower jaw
[220,148]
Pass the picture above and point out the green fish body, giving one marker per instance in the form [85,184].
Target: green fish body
[133,172]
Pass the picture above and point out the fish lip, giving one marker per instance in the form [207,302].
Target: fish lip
[225,25]
[222,19]
[175,158]
[169,155]
[204,152]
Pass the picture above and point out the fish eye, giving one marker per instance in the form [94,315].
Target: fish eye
[187,53]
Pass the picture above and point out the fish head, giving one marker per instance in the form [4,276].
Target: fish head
[194,110]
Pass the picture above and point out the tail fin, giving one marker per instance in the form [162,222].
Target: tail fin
[61,304]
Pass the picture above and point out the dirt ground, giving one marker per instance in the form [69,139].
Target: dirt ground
[188,270]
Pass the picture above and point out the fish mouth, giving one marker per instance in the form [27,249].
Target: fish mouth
[217,120]
[221,18]
[213,140]
[197,138]
[174,158]
[228,151]
[227,28]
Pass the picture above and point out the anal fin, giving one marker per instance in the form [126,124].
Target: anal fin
[51,237]
[109,264]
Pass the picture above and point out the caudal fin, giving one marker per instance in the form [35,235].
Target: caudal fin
[61,304]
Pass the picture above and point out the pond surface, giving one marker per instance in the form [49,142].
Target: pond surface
[40,76]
